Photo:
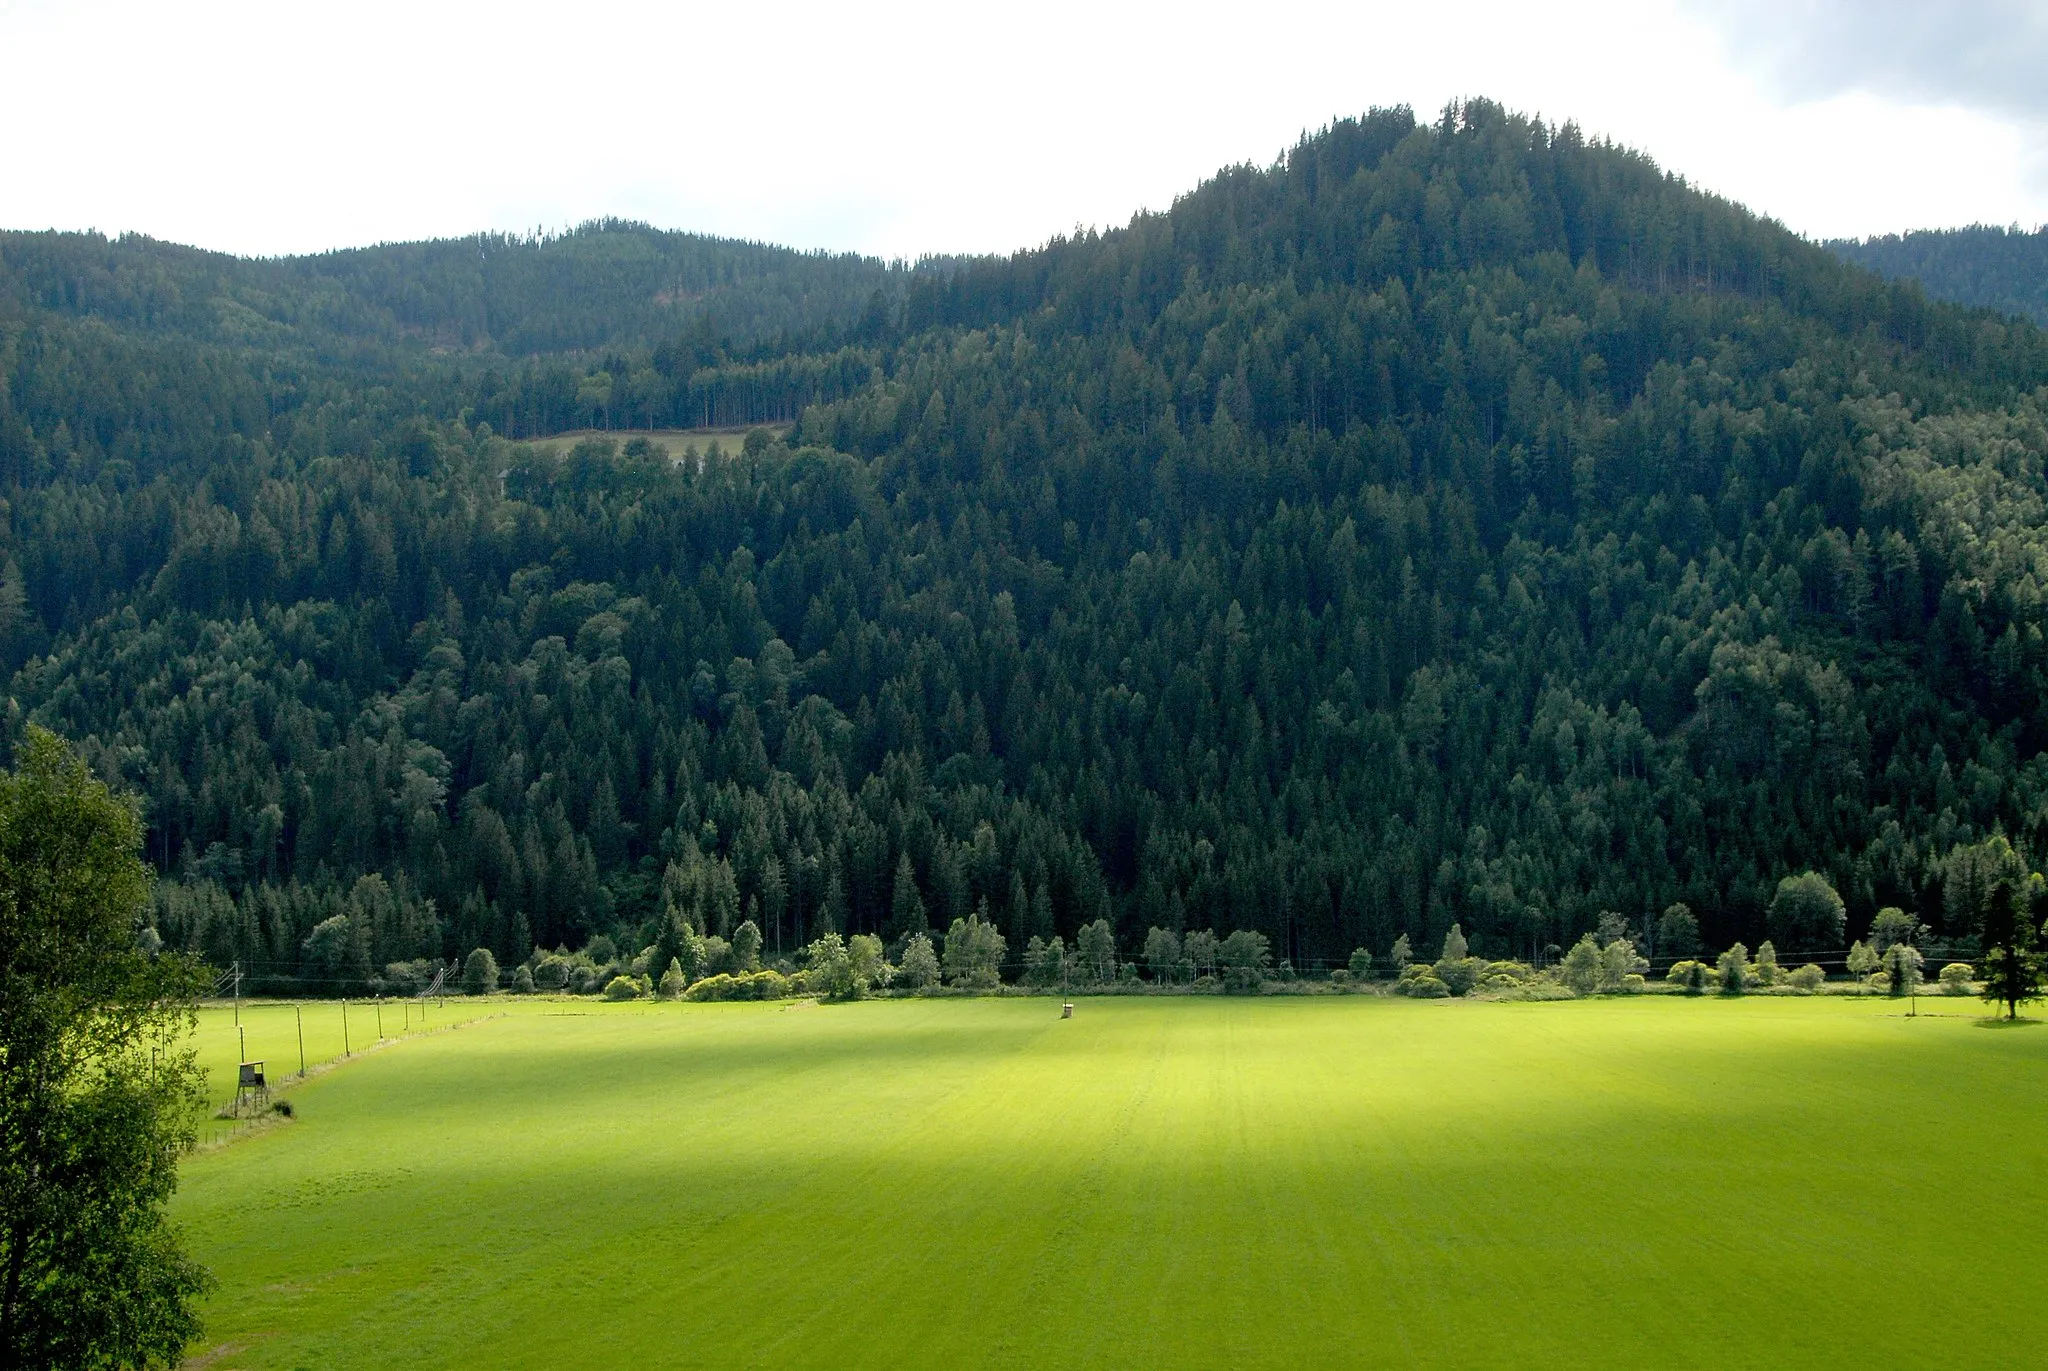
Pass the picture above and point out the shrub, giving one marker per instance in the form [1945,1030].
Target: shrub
[769,985]
[1807,979]
[672,983]
[522,981]
[1633,984]
[1735,970]
[1361,964]
[552,973]
[1242,980]
[717,987]
[1581,970]
[1340,978]
[1207,984]
[1422,982]
[480,973]
[622,988]
[1460,974]
[1510,971]
[755,985]
[1767,964]
[1688,975]
[1879,981]
[1902,962]
[1956,979]
[405,978]
[583,980]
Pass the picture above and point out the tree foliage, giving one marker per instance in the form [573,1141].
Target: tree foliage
[2013,967]
[1989,265]
[98,1083]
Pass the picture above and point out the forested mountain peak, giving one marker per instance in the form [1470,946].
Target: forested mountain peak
[1454,522]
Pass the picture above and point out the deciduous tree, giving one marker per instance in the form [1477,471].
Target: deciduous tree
[98,1082]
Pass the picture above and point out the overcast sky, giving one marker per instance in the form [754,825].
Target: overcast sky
[901,128]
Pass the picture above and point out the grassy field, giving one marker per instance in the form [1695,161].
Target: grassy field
[1218,1182]
[674,440]
[285,1036]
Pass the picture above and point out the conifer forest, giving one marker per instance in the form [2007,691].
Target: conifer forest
[1456,522]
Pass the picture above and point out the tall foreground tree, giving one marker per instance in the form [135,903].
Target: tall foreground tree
[99,1089]
[2013,969]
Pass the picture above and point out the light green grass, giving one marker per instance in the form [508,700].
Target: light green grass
[675,441]
[1186,1182]
[284,1034]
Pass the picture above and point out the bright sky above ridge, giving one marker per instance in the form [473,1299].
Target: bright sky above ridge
[901,127]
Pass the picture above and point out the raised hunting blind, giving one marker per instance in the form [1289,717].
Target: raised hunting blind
[252,1085]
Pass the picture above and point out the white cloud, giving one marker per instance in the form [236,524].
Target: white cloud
[894,128]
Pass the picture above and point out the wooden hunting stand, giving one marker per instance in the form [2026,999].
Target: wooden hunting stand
[253,1085]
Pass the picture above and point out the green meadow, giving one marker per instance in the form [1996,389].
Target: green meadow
[314,1035]
[1169,1182]
[674,441]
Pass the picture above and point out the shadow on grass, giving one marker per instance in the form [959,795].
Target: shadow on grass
[2002,1022]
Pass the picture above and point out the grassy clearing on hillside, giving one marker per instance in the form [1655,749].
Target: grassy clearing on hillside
[1177,1182]
[674,440]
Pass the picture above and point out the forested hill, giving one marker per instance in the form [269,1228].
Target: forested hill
[607,284]
[2005,269]
[151,354]
[1458,522]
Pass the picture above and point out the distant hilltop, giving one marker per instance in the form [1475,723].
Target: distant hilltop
[2004,269]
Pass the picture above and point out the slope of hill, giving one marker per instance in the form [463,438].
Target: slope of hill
[1454,522]
[1997,268]
[606,284]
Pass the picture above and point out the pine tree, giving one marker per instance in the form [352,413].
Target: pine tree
[2012,967]
[906,907]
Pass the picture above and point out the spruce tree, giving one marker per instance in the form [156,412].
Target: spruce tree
[906,908]
[2013,969]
